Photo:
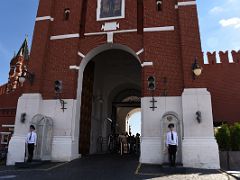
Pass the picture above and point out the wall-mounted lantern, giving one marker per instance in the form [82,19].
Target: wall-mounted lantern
[26,75]
[199,116]
[196,69]
[159,5]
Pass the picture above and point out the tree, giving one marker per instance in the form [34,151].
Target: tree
[223,138]
[235,137]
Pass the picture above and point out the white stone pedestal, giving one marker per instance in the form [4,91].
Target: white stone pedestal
[199,148]
[16,150]
[65,141]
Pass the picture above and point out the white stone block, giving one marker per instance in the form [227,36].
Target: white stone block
[16,150]
[200,153]
[199,148]
[151,150]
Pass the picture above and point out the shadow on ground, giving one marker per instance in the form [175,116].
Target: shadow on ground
[108,167]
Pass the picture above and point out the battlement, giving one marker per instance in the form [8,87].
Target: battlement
[3,89]
[222,57]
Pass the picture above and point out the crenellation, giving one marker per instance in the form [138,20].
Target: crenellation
[236,56]
[222,57]
[211,57]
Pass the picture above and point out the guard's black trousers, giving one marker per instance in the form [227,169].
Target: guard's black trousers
[30,152]
[172,150]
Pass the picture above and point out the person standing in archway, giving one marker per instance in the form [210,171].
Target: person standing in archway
[172,143]
[31,142]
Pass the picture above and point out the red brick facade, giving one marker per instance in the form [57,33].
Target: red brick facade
[172,52]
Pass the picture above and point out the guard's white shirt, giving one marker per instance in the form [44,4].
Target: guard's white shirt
[31,138]
[169,140]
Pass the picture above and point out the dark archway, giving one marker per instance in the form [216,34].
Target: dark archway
[102,75]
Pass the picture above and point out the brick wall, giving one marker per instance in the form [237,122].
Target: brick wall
[223,82]
[172,52]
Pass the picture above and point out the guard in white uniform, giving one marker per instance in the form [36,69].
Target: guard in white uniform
[172,143]
[31,141]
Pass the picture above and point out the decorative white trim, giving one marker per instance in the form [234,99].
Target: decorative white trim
[81,54]
[188,3]
[74,67]
[110,37]
[43,18]
[155,29]
[125,31]
[109,18]
[65,36]
[5,133]
[115,32]
[8,126]
[149,29]
[110,26]
[176,6]
[140,51]
[147,64]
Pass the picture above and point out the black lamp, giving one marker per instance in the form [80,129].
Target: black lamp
[196,69]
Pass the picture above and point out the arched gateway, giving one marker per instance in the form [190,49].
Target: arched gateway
[108,74]
[114,49]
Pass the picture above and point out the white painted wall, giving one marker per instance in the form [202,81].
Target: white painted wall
[153,150]
[64,143]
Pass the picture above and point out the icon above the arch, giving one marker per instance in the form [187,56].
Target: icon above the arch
[110,9]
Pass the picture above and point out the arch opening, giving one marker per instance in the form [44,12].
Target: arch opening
[111,83]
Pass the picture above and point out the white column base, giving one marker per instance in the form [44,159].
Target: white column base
[151,150]
[16,150]
[200,153]
[63,149]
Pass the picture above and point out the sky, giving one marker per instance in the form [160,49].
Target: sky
[135,123]
[219,27]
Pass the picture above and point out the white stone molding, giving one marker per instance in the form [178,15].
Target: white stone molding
[43,18]
[140,51]
[74,67]
[110,37]
[115,32]
[65,36]
[110,26]
[8,126]
[149,29]
[147,64]
[187,3]
[156,29]
[81,54]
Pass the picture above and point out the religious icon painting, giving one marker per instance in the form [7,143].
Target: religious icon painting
[110,9]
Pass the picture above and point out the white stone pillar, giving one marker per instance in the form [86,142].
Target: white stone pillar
[199,148]
[29,104]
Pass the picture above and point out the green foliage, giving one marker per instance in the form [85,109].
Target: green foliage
[223,138]
[235,137]
[228,137]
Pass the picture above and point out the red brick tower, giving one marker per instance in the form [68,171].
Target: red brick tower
[103,52]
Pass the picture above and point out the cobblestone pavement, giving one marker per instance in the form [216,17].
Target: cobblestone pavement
[109,167]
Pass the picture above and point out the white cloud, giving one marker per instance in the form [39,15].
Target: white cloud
[216,10]
[231,22]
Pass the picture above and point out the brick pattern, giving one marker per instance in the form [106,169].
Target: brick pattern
[222,80]
[172,52]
